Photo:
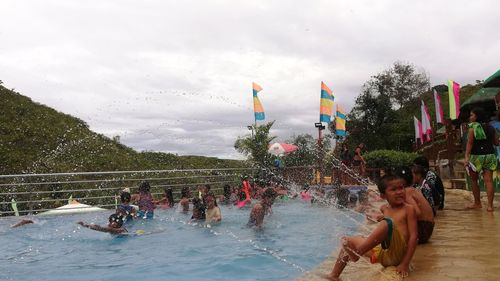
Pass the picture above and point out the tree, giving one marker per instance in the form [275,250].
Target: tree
[382,115]
[306,154]
[402,82]
[255,147]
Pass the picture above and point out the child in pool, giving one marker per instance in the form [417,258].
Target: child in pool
[22,222]
[213,213]
[184,202]
[260,209]
[167,201]
[124,209]
[225,198]
[198,210]
[114,225]
[393,241]
[144,200]
[243,200]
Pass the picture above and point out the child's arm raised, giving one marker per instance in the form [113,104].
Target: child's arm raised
[411,221]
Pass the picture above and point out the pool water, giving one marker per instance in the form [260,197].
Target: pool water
[296,237]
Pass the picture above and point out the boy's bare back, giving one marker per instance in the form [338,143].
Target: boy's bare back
[422,207]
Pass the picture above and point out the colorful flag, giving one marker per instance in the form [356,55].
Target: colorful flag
[257,106]
[454,99]
[439,109]
[426,122]
[418,130]
[340,122]
[326,103]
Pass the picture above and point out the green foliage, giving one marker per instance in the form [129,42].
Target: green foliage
[255,147]
[382,116]
[37,139]
[388,158]
[306,154]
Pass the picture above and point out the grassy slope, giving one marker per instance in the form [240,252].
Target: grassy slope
[35,138]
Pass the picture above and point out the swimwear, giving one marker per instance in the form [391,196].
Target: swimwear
[484,162]
[146,202]
[125,210]
[145,214]
[392,250]
[429,194]
[424,229]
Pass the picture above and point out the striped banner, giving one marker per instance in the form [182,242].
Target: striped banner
[258,109]
[326,104]
[340,122]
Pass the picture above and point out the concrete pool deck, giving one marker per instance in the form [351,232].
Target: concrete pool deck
[465,245]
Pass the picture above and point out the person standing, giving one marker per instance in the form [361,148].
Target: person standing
[480,155]
[346,160]
[358,161]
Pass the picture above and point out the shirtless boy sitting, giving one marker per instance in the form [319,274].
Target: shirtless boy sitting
[393,241]
[414,197]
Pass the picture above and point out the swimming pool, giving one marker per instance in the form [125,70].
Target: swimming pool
[295,238]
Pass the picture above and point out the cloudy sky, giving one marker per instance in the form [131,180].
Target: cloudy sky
[175,76]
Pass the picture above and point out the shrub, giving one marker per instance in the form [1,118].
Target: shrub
[389,158]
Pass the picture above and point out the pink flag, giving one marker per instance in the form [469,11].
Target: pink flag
[454,97]
[437,106]
[418,130]
[426,122]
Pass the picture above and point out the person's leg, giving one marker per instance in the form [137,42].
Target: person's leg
[354,247]
[475,192]
[490,190]
[440,188]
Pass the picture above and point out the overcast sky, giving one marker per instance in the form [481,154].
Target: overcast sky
[175,76]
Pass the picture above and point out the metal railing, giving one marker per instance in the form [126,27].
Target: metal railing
[35,193]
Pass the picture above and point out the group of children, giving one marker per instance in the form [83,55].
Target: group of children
[407,219]
[204,205]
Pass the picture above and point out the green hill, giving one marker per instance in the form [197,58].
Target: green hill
[35,138]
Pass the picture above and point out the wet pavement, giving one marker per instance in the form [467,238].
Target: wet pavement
[465,246]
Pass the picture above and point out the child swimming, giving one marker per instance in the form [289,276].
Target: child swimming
[114,226]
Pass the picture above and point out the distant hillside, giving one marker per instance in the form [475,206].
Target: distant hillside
[35,138]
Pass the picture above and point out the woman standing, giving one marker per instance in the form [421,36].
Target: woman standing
[358,160]
[480,155]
